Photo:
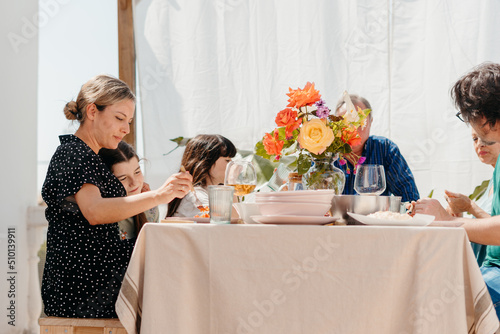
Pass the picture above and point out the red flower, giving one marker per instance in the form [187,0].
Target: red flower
[351,137]
[272,144]
[303,97]
[288,118]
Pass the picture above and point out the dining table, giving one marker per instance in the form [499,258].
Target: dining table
[303,278]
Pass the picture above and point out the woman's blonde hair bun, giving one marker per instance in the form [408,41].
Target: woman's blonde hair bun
[71,111]
[101,90]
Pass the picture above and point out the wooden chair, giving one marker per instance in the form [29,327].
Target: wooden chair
[55,325]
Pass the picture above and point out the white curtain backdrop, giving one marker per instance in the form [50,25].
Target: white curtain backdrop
[224,66]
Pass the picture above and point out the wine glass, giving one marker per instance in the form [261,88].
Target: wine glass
[241,175]
[370,180]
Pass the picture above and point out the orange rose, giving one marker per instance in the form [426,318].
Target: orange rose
[287,117]
[351,137]
[303,97]
[315,136]
[272,144]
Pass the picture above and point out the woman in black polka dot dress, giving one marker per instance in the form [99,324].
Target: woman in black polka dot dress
[86,259]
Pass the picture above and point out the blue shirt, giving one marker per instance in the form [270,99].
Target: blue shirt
[399,178]
[493,252]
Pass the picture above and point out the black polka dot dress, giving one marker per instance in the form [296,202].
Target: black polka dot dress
[85,264]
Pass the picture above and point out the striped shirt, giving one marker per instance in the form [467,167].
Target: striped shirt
[399,178]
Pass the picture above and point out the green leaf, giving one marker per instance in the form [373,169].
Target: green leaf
[431,193]
[344,149]
[282,133]
[290,148]
[180,141]
[264,168]
[292,165]
[479,190]
[261,151]
[303,163]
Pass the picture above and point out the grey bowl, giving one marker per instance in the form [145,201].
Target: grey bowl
[363,205]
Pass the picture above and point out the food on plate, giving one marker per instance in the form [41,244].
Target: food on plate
[389,215]
[204,212]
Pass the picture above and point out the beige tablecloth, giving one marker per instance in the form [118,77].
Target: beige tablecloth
[196,278]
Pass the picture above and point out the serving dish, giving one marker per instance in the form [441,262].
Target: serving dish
[294,220]
[417,220]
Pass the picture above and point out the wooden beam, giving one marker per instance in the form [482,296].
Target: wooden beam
[126,54]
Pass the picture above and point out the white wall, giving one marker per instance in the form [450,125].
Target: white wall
[71,51]
[18,125]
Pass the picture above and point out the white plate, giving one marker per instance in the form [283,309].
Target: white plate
[299,220]
[293,209]
[294,199]
[177,220]
[417,220]
[246,210]
[198,220]
[320,192]
[446,224]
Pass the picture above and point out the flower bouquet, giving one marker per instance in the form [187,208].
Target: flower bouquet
[307,130]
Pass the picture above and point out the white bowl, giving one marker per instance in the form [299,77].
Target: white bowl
[320,192]
[246,210]
[363,205]
[294,199]
[301,196]
[293,209]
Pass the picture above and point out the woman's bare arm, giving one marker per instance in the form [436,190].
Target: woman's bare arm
[98,210]
[484,231]
[477,212]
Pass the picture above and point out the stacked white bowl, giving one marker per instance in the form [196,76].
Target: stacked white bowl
[295,203]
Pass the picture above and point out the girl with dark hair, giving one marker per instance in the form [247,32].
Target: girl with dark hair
[205,158]
[123,162]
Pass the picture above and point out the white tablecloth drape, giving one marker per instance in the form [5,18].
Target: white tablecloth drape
[196,278]
[224,66]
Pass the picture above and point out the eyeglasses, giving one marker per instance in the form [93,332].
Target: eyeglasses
[485,143]
[459,116]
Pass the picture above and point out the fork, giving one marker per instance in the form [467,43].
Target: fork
[197,202]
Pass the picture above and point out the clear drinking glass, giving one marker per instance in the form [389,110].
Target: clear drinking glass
[220,199]
[242,176]
[370,180]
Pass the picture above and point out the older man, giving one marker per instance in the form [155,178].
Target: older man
[477,97]
[378,151]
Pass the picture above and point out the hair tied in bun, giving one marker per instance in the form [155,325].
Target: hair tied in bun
[77,114]
[72,108]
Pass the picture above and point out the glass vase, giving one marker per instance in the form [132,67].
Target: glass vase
[294,182]
[324,175]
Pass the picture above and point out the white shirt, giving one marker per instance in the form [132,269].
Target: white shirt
[188,208]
